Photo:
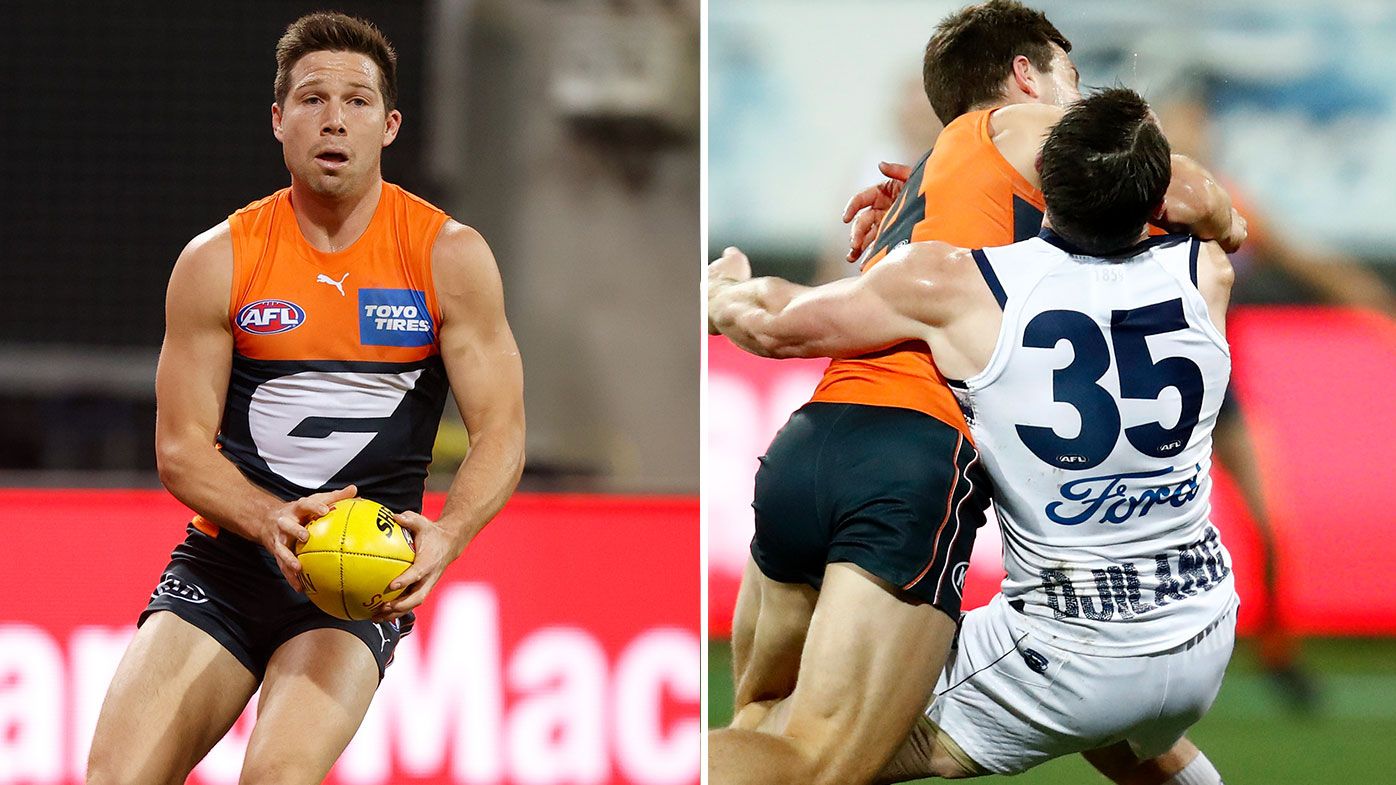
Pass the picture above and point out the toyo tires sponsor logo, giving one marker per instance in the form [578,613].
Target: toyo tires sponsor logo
[268,317]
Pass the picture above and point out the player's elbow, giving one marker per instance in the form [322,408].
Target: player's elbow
[172,460]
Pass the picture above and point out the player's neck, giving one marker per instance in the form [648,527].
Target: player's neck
[1047,225]
[334,224]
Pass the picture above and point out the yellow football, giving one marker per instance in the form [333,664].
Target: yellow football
[353,553]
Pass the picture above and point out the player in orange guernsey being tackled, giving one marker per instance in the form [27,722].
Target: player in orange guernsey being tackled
[310,342]
[1116,620]
[868,500]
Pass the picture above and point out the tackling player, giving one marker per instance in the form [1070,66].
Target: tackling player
[310,342]
[868,500]
[1090,363]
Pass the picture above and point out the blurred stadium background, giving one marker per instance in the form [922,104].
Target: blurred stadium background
[1286,103]
[567,133]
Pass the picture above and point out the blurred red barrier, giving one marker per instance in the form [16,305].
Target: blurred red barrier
[562,647]
[1316,386]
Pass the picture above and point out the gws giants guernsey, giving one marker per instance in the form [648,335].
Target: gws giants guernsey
[337,375]
[1094,419]
[964,193]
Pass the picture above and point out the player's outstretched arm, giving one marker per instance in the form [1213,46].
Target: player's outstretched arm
[191,385]
[486,374]
[772,317]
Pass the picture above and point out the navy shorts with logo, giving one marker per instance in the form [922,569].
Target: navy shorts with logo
[894,491]
[232,589]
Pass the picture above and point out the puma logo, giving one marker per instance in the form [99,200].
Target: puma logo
[322,278]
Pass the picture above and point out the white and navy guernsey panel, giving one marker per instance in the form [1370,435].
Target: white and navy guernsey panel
[1094,418]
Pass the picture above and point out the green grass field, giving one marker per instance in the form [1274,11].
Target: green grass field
[1250,734]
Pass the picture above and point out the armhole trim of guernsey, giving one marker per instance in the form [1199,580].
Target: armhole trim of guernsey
[981,260]
[1192,259]
[236,287]
[429,282]
[206,526]
[235,237]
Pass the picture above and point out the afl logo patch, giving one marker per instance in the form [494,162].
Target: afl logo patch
[268,317]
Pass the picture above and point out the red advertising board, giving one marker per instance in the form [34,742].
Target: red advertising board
[562,647]
[1315,388]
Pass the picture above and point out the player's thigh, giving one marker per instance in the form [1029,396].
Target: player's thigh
[868,670]
[174,695]
[775,618]
[326,674]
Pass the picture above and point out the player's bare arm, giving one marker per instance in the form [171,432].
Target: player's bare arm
[1197,204]
[917,287]
[191,386]
[486,374]
[1214,279]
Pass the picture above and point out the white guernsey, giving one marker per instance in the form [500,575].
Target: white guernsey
[1094,417]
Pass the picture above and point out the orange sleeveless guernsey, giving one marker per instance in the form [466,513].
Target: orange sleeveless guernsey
[337,375]
[963,193]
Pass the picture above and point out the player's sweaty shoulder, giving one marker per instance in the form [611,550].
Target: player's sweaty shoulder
[923,277]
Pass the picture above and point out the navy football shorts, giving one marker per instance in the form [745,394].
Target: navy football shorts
[232,589]
[894,491]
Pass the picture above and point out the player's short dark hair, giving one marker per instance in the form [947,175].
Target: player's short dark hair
[327,31]
[1105,167]
[972,51]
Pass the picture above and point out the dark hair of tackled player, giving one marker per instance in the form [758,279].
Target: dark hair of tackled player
[972,51]
[1105,167]
[335,32]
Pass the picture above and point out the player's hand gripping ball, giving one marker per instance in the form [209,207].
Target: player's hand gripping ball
[353,553]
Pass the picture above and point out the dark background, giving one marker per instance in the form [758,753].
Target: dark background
[131,129]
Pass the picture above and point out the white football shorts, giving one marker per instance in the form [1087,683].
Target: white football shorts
[1012,700]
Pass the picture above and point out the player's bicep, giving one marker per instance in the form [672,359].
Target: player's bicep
[191,381]
[846,318]
[477,346]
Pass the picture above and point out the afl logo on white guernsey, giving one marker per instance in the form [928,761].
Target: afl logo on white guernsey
[268,317]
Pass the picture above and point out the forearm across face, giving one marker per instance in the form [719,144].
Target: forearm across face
[1196,203]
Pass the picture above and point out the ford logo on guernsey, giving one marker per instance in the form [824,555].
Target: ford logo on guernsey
[268,317]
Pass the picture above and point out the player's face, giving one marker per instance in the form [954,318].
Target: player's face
[1061,86]
[333,126]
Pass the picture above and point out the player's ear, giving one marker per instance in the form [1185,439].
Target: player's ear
[1025,76]
[1159,209]
[276,122]
[391,127]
